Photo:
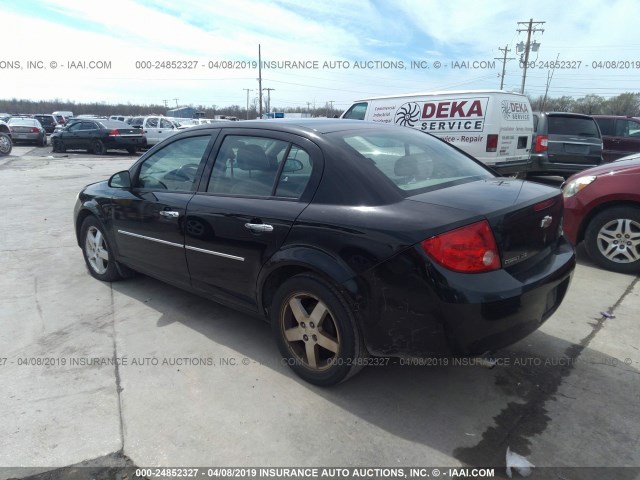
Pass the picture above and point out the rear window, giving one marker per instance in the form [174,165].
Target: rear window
[412,160]
[579,127]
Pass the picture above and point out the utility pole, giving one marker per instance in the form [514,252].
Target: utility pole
[308,105]
[331,111]
[549,78]
[504,59]
[166,103]
[247,90]
[532,27]
[259,83]
[269,98]
[176,99]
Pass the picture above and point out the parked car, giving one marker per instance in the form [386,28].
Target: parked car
[353,238]
[97,136]
[155,128]
[602,209]
[564,143]
[6,144]
[47,121]
[63,113]
[26,129]
[4,117]
[620,136]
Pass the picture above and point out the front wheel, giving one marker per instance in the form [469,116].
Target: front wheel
[97,251]
[5,144]
[131,150]
[98,147]
[316,331]
[612,239]
[57,146]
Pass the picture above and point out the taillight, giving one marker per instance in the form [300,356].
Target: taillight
[35,130]
[542,142]
[114,132]
[469,249]
[492,142]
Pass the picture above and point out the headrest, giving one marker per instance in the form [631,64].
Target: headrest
[252,157]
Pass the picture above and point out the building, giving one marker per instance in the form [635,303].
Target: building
[184,112]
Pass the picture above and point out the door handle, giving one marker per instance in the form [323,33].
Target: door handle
[169,214]
[259,227]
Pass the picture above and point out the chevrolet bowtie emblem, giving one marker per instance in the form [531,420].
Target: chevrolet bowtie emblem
[546,221]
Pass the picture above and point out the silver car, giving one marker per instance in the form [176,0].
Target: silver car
[25,129]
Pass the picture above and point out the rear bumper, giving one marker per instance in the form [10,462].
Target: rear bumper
[424,310]
[541,163]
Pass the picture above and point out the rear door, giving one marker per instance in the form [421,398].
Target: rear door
[627,139]
[258,185]
[152,130]
[573,140]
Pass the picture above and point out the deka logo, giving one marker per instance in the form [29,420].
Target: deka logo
[457,109]
[514,110]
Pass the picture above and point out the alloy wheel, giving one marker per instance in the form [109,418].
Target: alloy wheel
[310,331]
[619,240]
[96,250]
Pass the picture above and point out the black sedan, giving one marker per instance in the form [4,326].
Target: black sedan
[98,136]
[352,239]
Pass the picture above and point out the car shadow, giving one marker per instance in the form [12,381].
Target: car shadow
[467,410]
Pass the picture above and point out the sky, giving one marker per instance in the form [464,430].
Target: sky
[338,51]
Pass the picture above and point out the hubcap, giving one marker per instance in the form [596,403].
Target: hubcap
[310,331]
[5,144]
[96,250]
[619,241]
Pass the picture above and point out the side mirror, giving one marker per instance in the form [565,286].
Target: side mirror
[120,180]
[292,165]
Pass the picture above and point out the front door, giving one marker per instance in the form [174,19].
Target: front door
[149,219]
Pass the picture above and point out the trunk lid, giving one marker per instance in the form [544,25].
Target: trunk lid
[525,217]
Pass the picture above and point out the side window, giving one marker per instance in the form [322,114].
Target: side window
[356,112]
[606,126]
[152,122]
[88,126]
[165,123]
[174,167]
[627,128]
[75,127]
[295,174]
[246,166]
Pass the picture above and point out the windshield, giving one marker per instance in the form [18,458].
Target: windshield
[413,161]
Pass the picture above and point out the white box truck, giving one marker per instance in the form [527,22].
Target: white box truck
[494,126]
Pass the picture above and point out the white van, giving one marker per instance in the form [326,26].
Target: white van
[494,126]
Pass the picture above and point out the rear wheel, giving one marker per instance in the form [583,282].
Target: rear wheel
[98,147]
[5,144]
[612,239]
[131,150]
[316,331]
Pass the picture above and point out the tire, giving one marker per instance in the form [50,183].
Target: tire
[612,239]
[98,147]
[131,150]
[58,146]
[5,144]
[342,352]
[97,252]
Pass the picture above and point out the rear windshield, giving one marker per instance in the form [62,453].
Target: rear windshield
[580,127]
[414,161]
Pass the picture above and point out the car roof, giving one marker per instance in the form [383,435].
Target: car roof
[299,125]
[564,114]
[615,117]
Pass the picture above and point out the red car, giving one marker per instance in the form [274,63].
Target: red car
[602,209]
